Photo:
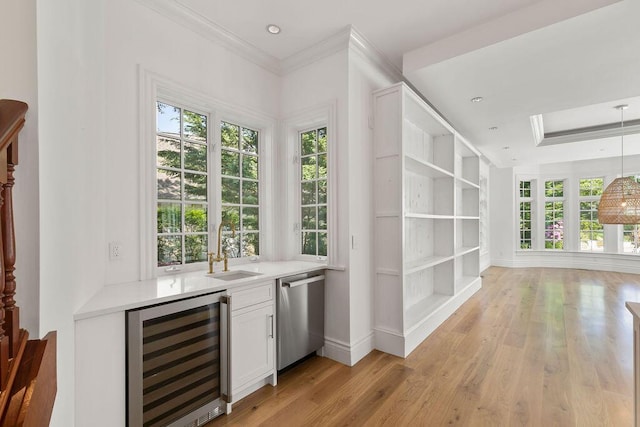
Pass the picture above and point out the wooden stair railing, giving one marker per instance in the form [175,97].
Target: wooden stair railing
[27,367]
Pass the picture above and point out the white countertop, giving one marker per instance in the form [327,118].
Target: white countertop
[125,296]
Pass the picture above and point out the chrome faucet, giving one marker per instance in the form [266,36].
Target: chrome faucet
[219,257]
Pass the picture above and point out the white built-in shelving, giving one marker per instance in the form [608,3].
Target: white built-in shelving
[427,219]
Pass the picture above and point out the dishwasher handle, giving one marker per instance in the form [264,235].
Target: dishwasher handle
[301,282]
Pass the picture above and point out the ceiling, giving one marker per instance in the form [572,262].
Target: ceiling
[560,60]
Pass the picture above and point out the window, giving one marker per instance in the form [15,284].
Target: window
[631,234]
[182,176]
[240,190]
[313,191]
[591,231]
[184,200]
[554,214]
[525,215]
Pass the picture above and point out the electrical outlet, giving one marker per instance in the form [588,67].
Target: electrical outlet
[115,250]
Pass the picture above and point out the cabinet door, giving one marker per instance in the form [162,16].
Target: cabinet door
[252,346]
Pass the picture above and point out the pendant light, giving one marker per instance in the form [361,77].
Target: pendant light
[620,201]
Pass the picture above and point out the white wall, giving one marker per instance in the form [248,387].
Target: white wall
[320,83]
[504,216]
[18,80]
[364,78]
[177,54]
[501,215]
[88,54]
[71,96]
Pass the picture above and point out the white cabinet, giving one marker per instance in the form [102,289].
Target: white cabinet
[252,331]
[427,220]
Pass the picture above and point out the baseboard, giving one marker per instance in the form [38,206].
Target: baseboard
[389,342]
[348,354]
[338,351]
[415,336]
[586,261]
[402,345]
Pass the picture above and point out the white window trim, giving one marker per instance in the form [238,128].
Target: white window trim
[581,199]
[562,199]
[316,117]
[153,86]
[534,222]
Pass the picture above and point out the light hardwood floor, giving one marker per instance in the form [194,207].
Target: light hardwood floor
[534,347]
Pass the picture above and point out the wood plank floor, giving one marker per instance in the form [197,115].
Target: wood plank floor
[534,347]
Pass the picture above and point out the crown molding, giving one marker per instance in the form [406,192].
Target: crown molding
[349,38]
[361,45]
[324,48]
[188,18]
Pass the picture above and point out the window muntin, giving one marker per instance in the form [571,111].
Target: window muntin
[553,189]
[313,191]
[182,176]
[631,233]
[591,231]
[240,189]
[525,189]
[631,239]
[524,213]
[554,215]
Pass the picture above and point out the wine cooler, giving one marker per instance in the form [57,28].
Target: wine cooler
[176,362]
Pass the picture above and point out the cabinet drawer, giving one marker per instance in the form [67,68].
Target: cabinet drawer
[246,297]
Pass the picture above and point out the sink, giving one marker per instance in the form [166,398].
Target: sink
[233,275]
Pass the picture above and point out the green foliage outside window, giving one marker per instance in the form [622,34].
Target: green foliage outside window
[591,231]
[240,190]
[313,192]
[181,148]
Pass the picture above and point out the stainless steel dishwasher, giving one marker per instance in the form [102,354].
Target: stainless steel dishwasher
[300,316]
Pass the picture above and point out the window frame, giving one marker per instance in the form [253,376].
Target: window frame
[240,230]
[591,198]
[530,200]
[183,201]
[316,205]
[313,118]
[154,87]
[554,199]
[635,230]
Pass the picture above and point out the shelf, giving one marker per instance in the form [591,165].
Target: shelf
[428,195]
[467,184]
[464,281]
[426,216]
[466,249]
[426,237]
[430,175]
[424,263]
[417,312]
[421,167]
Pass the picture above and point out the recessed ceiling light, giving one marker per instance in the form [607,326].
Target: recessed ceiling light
[477,99]
[273,29]
[506,147]
[493,128]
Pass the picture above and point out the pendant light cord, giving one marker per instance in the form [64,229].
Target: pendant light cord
[622,140]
